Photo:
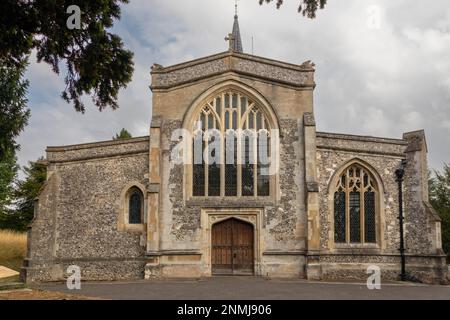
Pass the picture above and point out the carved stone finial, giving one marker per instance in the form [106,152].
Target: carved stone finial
[308,64]
[156,66]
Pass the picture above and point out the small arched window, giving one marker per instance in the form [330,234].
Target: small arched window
[355,207]
[135,206]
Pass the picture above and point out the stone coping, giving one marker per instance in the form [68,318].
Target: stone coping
[287,65]
[298,76]
[96,144]
[343,136]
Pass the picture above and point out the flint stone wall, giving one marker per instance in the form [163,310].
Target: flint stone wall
[384,155]
[78,211]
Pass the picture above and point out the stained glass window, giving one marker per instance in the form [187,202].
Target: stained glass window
[248,168]
[214,167]
[369,217]
[355,217]
[355,207]
[135,209]
[263,173]
[231,166]
[234,115]
[198,172]
[339,217]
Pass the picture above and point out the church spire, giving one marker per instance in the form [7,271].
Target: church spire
[236,34]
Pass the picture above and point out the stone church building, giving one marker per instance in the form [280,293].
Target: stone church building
[326,209]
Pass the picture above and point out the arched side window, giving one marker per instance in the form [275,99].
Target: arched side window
[135,206]
[231,153]
[355,207]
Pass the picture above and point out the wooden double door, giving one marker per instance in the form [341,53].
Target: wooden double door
[232,248]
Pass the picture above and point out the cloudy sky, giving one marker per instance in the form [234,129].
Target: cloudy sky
[383,67]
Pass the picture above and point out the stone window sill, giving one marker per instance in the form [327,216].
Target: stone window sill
[135,228]
[232,202]
[356,248]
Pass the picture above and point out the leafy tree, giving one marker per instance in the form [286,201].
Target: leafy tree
[124,134]
[307,7]
[8,174]
[14,113]
[440,199]
[95,59]
[25,195]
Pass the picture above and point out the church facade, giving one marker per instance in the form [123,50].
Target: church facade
[324,205]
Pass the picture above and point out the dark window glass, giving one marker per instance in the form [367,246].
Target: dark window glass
[235,101]
[231,168]
[369,217]
[135,207]
[227,101]
[339,217]
[214,177]
[203,121]
[258,121]
[219,106]
[243,106]
[355,217]
[263,167]
[248,169]
[198,172]
[211,121]
[251,121]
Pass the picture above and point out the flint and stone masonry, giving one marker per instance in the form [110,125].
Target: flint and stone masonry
[81,213]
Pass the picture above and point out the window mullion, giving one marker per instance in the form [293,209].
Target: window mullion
[206,156]
[222,164]
[223,155]
[347,208]
[362,208]
[239,163]
[255,163]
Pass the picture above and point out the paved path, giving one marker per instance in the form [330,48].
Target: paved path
[246,288]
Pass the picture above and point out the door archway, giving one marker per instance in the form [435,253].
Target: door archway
[232,251]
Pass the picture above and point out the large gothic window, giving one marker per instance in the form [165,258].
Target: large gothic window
[355,207]
[231,148]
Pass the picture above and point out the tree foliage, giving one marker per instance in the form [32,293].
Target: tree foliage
[123,134]
[95,59]
[25,194]
[439,186]
[8,174]
[307,7]
[14,113]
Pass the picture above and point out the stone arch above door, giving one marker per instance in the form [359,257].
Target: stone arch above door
[210,217]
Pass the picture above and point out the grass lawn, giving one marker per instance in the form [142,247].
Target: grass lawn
[13,246]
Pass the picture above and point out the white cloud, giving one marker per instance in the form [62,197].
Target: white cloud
[387,81]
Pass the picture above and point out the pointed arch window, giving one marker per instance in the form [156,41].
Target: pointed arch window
[135,206]
[238,131]
[355,207]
